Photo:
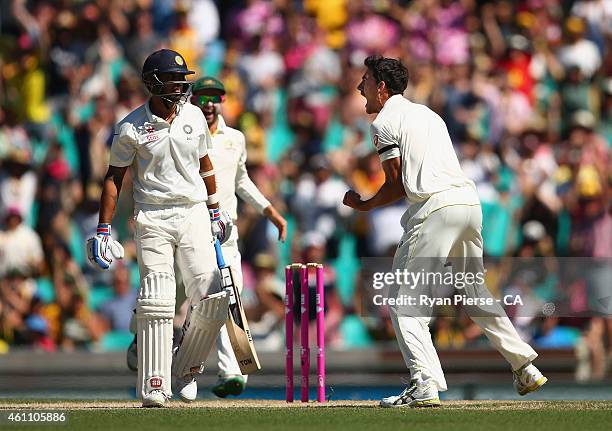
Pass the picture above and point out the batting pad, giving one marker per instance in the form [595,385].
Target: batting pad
[200,332]
[154,315]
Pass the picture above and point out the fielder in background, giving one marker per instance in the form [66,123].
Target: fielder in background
[229,156]
[177,214]
[442,225]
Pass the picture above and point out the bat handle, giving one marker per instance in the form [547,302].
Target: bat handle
[219,254]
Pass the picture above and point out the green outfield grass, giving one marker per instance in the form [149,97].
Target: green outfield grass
[262,415]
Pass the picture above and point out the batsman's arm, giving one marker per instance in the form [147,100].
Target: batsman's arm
[110,192]
[207,172]
[391,191]
[221,224]
[102,248]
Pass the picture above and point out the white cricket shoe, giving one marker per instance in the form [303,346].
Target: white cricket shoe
[413,396]
[155,398]
[528,379]
[186,387]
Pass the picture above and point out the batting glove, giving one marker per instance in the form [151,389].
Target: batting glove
[102,248]
[221,224]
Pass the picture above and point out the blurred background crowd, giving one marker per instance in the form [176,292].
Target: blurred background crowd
[524,87]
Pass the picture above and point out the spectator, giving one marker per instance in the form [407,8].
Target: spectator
[118,311]
[318,199]
[523,87]
[579,51]
[20,246]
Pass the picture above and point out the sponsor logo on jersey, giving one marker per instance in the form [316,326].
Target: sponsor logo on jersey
[149,132]
[376,141]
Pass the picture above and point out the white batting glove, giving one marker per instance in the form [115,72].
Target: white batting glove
[221,224]
[102,248]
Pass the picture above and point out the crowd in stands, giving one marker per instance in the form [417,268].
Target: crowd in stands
[524,87]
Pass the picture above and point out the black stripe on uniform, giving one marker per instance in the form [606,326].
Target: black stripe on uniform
[388,148]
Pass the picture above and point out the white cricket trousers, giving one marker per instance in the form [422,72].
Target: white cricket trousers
[182,232]
[165,233]
[228,365]
[447,233]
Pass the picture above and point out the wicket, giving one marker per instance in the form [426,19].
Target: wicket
[305,347]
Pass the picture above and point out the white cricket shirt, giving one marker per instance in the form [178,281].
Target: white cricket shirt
[229,155]
[430,167]
[165,158]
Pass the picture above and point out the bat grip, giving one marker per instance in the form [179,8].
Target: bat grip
[219,254]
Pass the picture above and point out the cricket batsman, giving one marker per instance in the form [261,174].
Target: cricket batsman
[177,215]
[442,224]
[229,155]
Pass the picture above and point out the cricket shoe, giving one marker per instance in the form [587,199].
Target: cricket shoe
[155,398]
[186,387]
[230,385]
[528,379]
[414,396]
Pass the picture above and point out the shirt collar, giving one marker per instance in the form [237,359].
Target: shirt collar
[152,118]
[221,126]
[393,100]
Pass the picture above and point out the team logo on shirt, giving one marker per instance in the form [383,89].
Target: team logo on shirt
[187,129]
[375,139]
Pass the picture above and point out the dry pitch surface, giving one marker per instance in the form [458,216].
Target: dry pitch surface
[255,415]
[491,405]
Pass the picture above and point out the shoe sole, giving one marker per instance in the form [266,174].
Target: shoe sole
[219,391]
[433,402]
[186,400]
[537,385]
[152,404]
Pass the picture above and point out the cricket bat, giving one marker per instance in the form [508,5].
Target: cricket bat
[236,324]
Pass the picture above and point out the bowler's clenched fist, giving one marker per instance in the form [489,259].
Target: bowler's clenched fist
[353,199]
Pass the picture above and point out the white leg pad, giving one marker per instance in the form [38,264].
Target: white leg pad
[154,315]
[200,332]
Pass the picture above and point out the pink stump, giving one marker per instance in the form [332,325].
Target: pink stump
[289,333]
[320,335]
[305,350]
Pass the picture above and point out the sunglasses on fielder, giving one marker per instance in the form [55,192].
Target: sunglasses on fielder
[203,100]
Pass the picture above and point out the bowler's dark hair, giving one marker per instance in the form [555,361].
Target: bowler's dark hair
[389,70]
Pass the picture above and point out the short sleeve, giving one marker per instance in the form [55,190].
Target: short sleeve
[123,148]
[384,142]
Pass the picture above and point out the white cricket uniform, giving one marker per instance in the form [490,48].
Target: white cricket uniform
[442,223]
[228,154]
[172,222]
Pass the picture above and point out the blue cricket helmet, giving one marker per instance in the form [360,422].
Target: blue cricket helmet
[166,61]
